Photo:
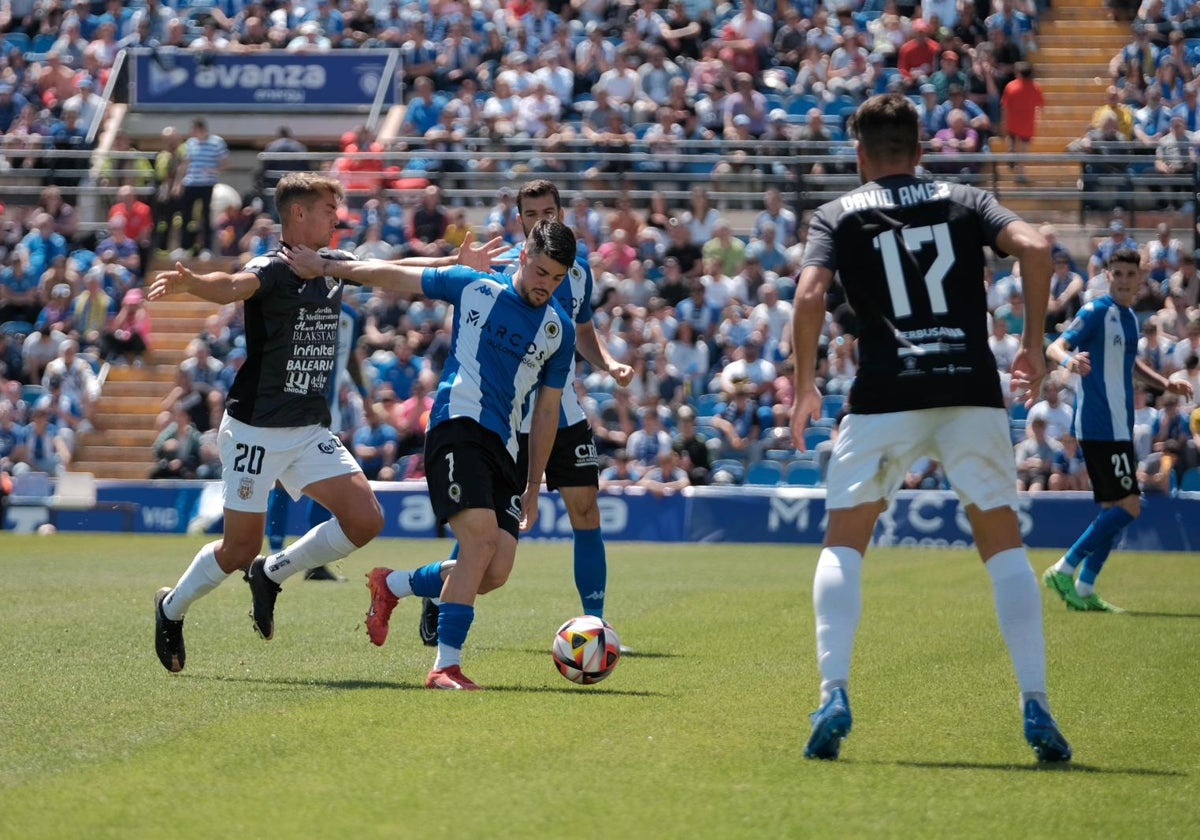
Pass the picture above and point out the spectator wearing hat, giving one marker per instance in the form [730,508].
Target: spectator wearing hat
[310,39]
[85,101]
[977,118]
[1020,103]
[949,73]
[918,57]
[1117,239]
[127,336]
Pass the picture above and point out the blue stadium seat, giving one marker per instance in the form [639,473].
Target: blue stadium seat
[766,473]
[735,468]
[42,43]
[601,398]
[16,329]
[1191,481]
[1018,411]
[800,105]
[708,405]
[16,40]
[831,404]
[815,435]
[31,393]
[803,474]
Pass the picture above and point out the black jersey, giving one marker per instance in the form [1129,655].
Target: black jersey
[910,255]
[291,347]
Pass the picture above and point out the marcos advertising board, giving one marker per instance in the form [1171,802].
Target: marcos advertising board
[181,80]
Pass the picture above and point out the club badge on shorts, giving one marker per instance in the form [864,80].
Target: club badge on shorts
[245,488]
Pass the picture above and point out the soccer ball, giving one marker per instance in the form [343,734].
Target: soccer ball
[586,649]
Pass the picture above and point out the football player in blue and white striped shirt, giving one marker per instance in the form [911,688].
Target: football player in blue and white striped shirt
[508,340]
[1100,347]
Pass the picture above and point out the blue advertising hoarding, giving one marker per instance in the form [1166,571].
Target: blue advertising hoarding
[704,514]
[185,80]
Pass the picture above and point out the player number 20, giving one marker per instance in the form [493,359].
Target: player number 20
[888,245]
[249,459]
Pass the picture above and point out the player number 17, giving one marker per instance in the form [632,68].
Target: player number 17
[888,245]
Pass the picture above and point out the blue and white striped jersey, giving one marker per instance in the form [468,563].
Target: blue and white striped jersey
[501,349]
[575,295]
[1109,334]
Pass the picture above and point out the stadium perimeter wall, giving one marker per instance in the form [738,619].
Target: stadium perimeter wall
[702,514]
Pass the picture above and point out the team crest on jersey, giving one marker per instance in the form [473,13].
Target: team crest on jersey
[552,329]
[245,488]
[576,273]
[455,492]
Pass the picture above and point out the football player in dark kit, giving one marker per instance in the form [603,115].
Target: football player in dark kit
[276,423]
[910,255]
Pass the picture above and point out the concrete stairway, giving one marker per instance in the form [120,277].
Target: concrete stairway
[1075,44]
[121,446]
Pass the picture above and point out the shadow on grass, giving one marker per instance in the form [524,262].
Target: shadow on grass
[1067,767]
[356,685]
[1140,614]
[633,654]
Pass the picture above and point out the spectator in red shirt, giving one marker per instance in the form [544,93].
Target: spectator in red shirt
[1020,102]
[919,56]
[139,221]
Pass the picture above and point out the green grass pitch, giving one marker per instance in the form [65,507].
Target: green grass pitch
[699,734]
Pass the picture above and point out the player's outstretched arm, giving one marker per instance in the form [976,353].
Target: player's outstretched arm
[1059,352]
[216,286]
[481,256]
[542,429]
[1182,387]
[308,264]
[808,318]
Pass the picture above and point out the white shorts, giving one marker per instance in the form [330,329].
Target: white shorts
[874,451]
[253,458]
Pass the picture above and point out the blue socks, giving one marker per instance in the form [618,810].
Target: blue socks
[277,511]
[1098,538]
[454,622]
[1112,520]
[591,571]
[427,580]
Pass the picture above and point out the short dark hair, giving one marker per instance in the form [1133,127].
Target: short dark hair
[888,127]
[537,189]
[1124,255]
[304,186]
[554,239]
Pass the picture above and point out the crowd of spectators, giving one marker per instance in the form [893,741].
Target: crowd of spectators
[701,312]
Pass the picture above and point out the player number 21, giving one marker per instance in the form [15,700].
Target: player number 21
[914,239]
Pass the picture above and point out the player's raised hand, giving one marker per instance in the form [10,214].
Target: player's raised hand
[481,256]
[622,373]
[1028,371]
[807,406]
[174,282]
[304,261]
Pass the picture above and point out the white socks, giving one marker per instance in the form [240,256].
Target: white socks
[399,583]
[201,577]
[447,656]
[1019,609]
[837,604]
[323,544]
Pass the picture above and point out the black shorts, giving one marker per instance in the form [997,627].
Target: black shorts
[1112,466]
[572,461]
[467,466]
